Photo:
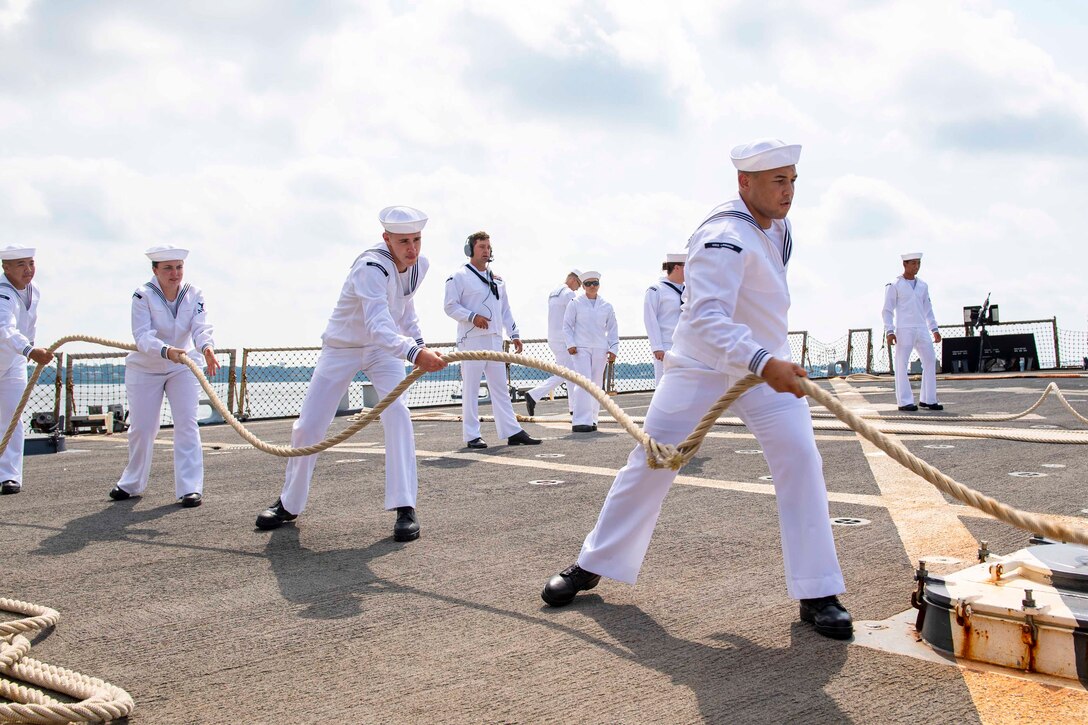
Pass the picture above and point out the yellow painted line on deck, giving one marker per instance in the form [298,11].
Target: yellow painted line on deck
[928,525]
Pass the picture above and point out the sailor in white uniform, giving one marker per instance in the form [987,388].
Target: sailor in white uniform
[18,325]
[558,299]
[910,325]
[373,329]
[661,309]
[593,340]
[169,318]
[733,323]
[476,298]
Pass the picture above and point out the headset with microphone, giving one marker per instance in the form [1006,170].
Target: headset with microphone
[470,246]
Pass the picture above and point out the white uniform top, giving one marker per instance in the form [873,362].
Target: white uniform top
[158,324]
[558,299]
[910,305]
[470,292]
[660,312]
[591,323]
[18,322]
[735,316]
[376,306]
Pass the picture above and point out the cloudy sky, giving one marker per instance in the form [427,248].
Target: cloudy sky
[266,135]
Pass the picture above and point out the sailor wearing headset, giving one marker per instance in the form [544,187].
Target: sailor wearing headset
[476,298]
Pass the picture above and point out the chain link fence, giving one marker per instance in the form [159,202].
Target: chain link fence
[272,382]
[95,381]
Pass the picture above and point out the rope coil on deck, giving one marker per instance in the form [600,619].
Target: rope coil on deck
[98,700]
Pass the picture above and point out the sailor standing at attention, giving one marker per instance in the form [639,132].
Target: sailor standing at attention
[373,329]
[733,323]
[18,325]
[907,301]
[558,299]
[168,318]
[477,299]
[593,339]
[661,309]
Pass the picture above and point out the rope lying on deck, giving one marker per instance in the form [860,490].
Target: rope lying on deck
[98,701]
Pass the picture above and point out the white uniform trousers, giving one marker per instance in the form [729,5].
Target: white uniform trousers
[659,367]
[782,426]
[906,340]
[12,385]
[506,423]
[562,357]
[590,362]
[332,375]
[145,391]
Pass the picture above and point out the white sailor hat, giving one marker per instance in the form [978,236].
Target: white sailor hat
[676,258]
[14,252]
[166,253]
[575,271]
[763,154]
[911,255]
[402,219]
[589,275]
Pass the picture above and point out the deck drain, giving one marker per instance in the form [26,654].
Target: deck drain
[939,446]
[766,478]
[350,460]
[550,455]
[433,458]
[546,482]
[1027,474]
[1044,425]
[750,452]
[1052,465]
[848,521]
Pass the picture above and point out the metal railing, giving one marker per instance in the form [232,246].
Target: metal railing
[272,382]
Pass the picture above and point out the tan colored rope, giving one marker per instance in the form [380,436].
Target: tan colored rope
[98,701]
[659,455]
[1051,389]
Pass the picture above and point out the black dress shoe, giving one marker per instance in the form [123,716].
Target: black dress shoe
[521,438]
[191,500]
[476,443]
[530,404]
[407,526]
[932,406]
[909,408]
[582,428]
[119,494]
[562,587]
[9,487]
[829,616]
[274,516]
[594,427]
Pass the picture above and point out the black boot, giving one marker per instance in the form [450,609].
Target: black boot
[274,516]
[521,438]
[407,526]
[562,587]
[829,616]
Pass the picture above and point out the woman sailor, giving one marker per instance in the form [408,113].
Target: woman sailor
[168,319]
[661,309]
[593,339]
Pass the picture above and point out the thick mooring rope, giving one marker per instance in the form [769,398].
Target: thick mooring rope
[97,700]
[102,701]
[658,455]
